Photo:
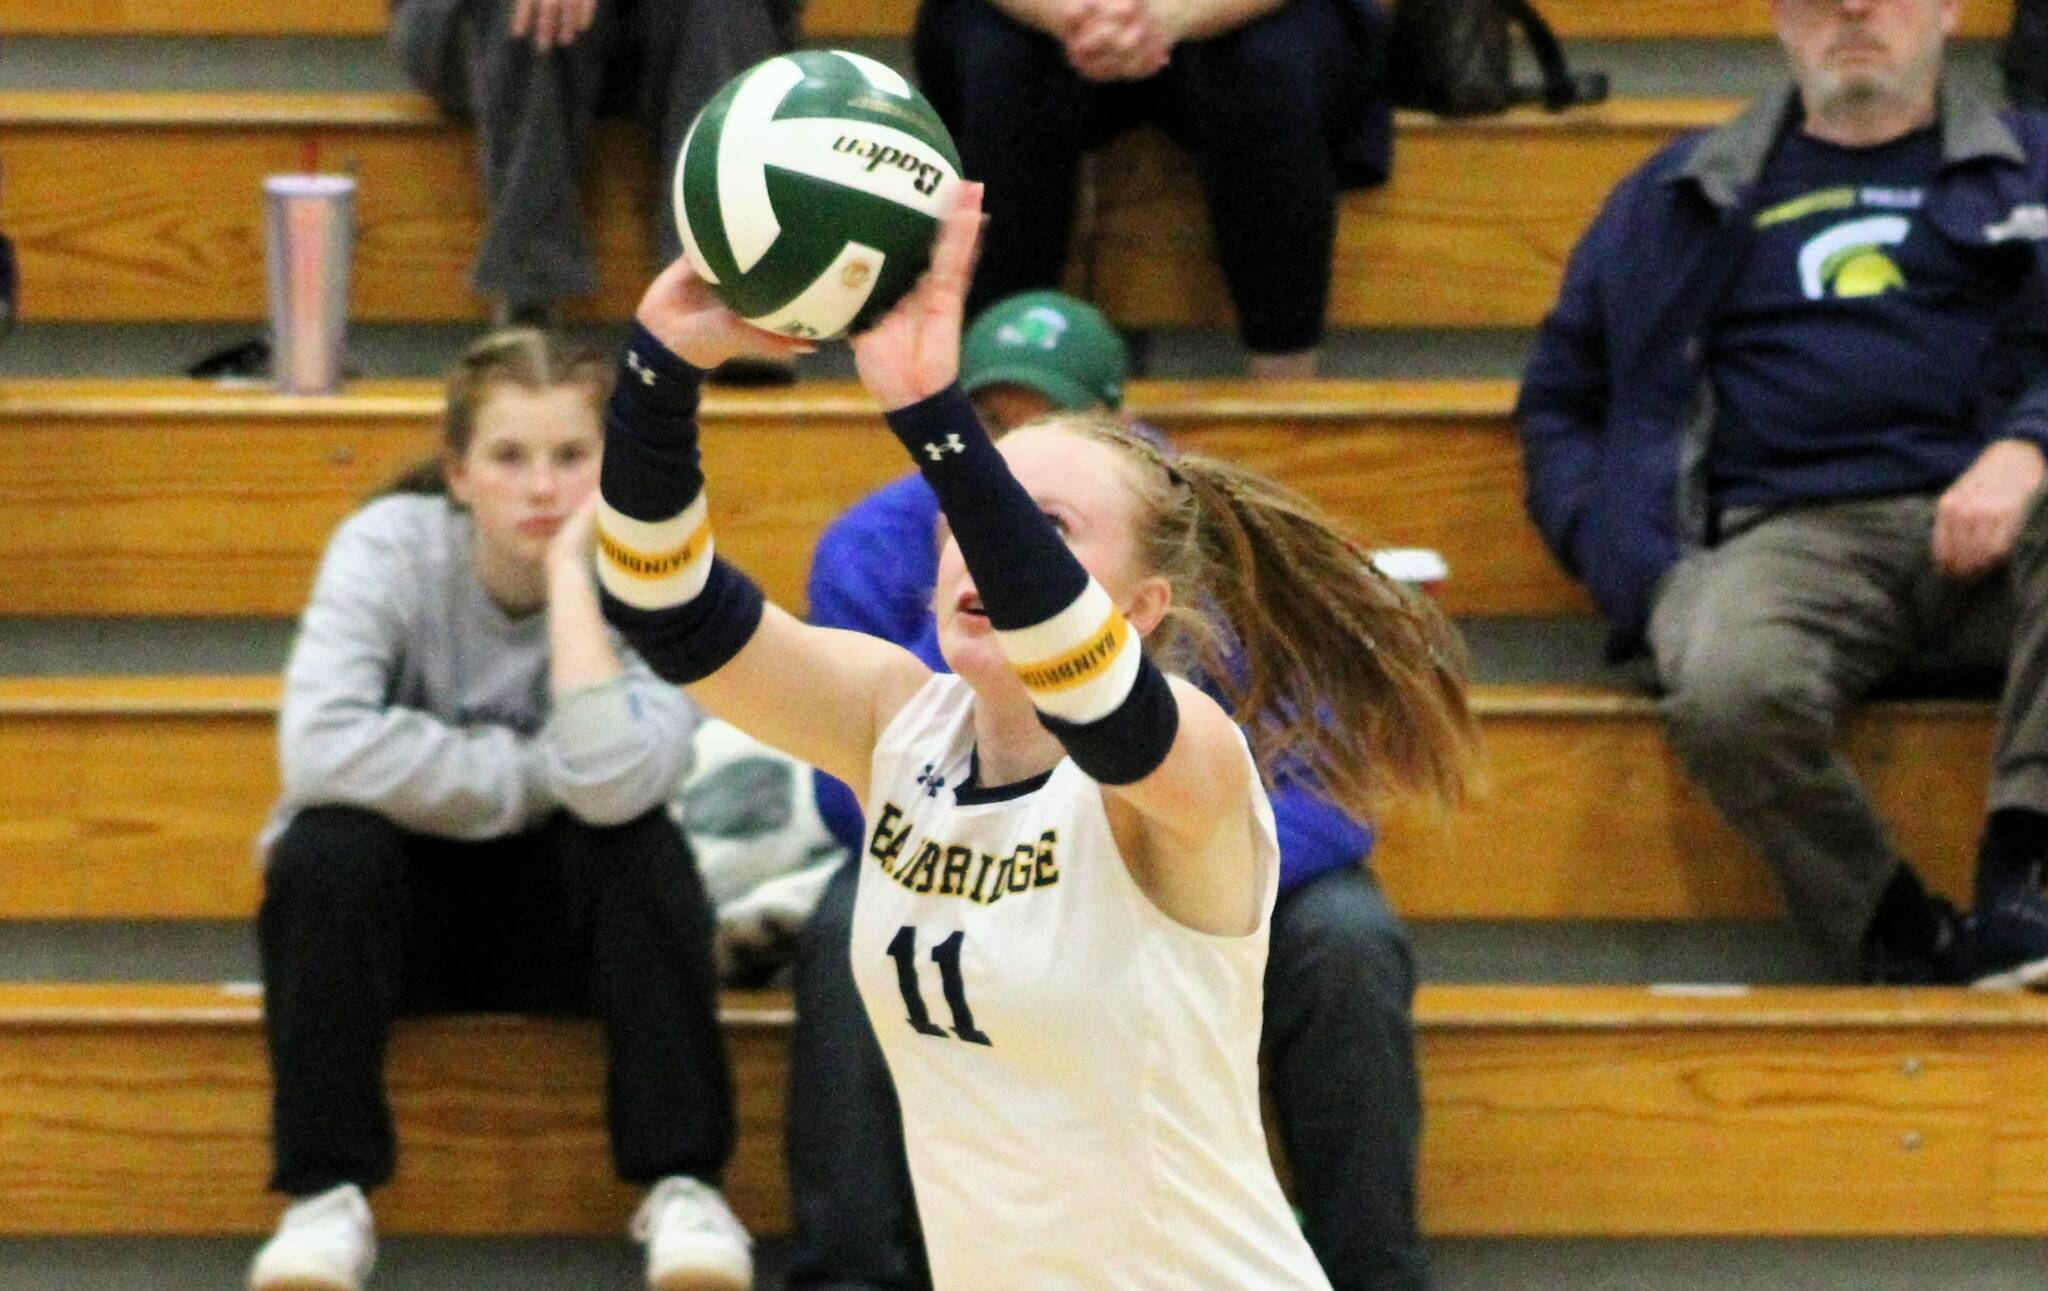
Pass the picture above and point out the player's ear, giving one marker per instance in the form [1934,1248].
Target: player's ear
[1146,607]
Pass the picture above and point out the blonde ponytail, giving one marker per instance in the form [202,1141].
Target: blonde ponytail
[1330,665]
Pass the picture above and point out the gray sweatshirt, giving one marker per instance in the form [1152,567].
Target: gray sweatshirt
[411,693]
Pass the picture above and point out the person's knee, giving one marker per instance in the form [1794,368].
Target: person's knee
[1336,939]
[1727,704]
[2030,551]
[650,837]
[1004,74]
[1253,80]
[647,854]
[828,933]
[332,859]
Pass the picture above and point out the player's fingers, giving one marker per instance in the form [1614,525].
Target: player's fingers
[586,14]
[773,345]
[959,237]
[522,18]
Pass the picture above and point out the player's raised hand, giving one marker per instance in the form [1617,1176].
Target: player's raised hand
[696,326]
[914,352]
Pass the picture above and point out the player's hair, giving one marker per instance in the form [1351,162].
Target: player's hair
[1329,665]
[526,357]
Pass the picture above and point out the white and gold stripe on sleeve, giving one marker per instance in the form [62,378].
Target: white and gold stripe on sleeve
[1079,664]
[653,565]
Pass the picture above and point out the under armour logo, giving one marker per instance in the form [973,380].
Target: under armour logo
[633,362]
[937,452]
[932,783]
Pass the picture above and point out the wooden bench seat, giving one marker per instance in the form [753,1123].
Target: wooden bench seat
[1550,1111]
[163,498]
[826,20]
[141,798]
[141,207]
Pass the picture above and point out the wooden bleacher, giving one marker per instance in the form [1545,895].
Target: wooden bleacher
[826,20]
[141,207]
[1550,1111]
[180,498]
[146,794]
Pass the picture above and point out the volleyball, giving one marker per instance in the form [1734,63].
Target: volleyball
[809,189]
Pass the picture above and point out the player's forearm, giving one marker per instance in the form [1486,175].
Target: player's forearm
[685,611]
[1066,639]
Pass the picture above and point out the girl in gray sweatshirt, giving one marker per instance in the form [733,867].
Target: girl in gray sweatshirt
[475,775]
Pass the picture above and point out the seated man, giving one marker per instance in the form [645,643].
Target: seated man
[1786,424]
[1281,101]
[1339,1038]
[534,76]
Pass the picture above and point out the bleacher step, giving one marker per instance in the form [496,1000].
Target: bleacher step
[111,228]
[147,794]
[141,1110]
[167,498]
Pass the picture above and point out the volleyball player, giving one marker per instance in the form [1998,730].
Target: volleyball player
[1060,932]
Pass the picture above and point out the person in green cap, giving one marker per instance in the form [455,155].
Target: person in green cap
[1339,1047]
[1041,352]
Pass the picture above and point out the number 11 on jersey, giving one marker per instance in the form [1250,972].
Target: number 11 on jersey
[903,949]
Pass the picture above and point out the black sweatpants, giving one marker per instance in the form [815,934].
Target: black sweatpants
[363,923]
[1259,106]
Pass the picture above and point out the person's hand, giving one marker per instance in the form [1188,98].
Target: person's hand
[1116,40]
[552,24]
[569,550]
[698,328]
[914,351]
[1978,518]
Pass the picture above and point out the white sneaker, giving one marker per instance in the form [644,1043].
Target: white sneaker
[325,1242]
[693,1241]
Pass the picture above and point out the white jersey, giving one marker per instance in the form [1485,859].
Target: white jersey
[1078,1072]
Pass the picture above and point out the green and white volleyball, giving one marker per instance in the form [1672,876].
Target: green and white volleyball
[809,190]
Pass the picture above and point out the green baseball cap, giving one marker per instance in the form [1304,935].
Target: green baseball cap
[1048,342]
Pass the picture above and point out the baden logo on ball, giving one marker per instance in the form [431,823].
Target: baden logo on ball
[809,189]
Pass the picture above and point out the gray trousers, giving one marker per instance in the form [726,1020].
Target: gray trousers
[658,61]
[1764,642]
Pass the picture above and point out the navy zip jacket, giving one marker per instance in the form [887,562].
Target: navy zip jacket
[1617,409]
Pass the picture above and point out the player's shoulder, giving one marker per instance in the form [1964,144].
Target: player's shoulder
[921,705]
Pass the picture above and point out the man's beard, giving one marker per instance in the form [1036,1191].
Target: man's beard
[1852,91]
[1863,88]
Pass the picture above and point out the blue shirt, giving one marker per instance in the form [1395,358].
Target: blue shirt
[874,571]
[1844,355]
